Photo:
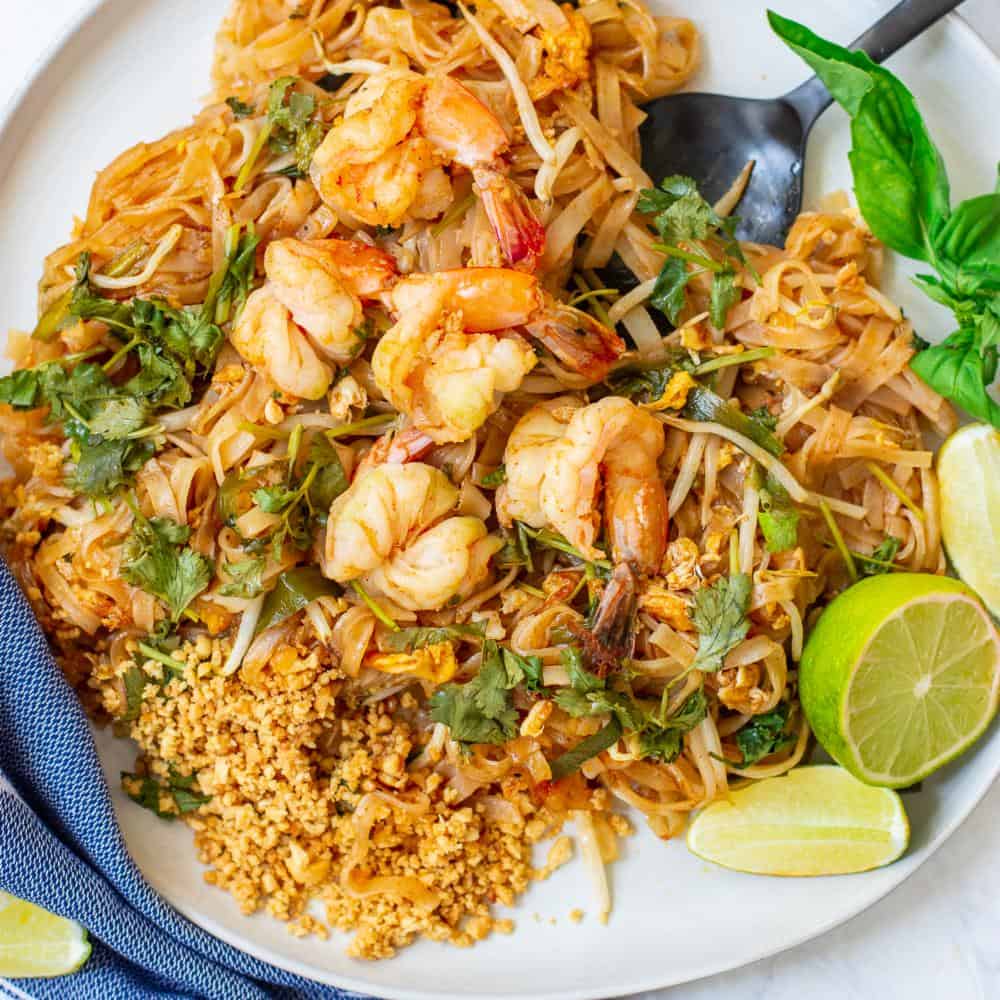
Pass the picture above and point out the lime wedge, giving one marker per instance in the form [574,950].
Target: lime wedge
[811,821]
[969,484]
[34,942]
[900,674]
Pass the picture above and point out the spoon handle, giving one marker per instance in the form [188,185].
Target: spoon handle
[902,24]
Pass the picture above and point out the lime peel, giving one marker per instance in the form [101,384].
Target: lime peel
[811,821]
[968,467]
[900,675]
[37,944]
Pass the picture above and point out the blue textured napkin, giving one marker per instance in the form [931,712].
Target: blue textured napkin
[61,848]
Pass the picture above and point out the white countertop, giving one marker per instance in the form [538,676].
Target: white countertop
[937,936]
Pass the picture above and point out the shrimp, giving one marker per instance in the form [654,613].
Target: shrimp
[384,161]
[527,458]
[309,310]
[453,352]
[391,531]
[615,436]
[397,448]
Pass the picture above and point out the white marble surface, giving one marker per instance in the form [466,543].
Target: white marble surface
[937,936]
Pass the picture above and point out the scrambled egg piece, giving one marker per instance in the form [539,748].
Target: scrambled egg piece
[435,663]
[666,606]
[567,56]
[675,394]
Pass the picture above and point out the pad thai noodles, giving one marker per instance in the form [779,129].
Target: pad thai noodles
[415,479]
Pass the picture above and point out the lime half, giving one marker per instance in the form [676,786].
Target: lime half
[969,484]
[34,942]
[900,675]
[812,821]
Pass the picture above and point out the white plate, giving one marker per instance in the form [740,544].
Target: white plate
[132,71]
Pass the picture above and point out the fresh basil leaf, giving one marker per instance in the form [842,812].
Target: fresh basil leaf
[293,590]
[957,370]
[899,177]
[971,238]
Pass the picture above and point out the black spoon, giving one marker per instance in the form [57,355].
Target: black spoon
[710,137]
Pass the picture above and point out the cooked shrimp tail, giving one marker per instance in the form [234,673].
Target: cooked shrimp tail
[397,448]
[582,343]
[610,640]
[520,235]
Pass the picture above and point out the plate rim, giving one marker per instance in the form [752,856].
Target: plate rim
[10,113]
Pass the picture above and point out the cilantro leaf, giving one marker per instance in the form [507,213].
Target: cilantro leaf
[662,739]
[670,290]
[725,293]
[178,790]
[154,558]
[689,229]
[102,466]
[453,707]
[294,128]
[406,640]
[245,577]
[239,108]
[764,734]
[495,478]
[580,678]
[481,711]
[330,480]
[720,616]
[882,557]
[778,517]
[118,418]
[20,389]
[527,669]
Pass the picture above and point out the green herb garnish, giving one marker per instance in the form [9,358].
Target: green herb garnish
[690,229]
[720,616]
[902,188]
[764,734]
[156,559]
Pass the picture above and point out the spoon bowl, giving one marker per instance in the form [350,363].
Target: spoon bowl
[711,137]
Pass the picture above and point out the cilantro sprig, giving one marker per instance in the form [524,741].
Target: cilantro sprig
[764,734]
[108,421]
[720,616]
[690,231]
[155,558]
[303,497]
[482,710]
[660,731]
[293,125]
